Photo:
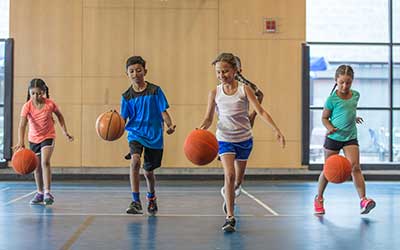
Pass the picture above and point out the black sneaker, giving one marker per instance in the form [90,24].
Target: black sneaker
[229,225]
[128,156]
[134,208]
[152,207]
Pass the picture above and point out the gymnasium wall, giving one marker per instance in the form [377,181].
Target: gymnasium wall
[79,47]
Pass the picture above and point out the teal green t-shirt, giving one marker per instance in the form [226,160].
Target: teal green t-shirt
[343,116]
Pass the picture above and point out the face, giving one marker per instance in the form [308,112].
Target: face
[36,94]
[136,73]
[225,72]
[344,83]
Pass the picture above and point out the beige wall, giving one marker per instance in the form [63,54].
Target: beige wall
[79,47]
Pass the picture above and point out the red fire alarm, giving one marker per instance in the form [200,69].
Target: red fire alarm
[269,25]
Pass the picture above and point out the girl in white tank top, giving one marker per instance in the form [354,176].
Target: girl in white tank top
[231,101]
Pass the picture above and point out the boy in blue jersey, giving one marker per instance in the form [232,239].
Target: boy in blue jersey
[144,108]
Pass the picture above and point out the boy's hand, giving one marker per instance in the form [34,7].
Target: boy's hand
[281,139]
[171,129]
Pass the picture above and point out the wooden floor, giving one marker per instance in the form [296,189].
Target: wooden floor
[270,215]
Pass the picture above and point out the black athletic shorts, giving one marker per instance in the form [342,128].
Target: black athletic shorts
[152,157]
[338,145]
[37,147]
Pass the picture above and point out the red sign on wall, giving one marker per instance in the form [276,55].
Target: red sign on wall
[269,25]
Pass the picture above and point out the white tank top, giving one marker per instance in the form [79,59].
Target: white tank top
[233,115]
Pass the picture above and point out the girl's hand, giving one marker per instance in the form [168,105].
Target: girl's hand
[171,129]
[280,138]
[18,146]
[331,131]
[359,120]
[70,138]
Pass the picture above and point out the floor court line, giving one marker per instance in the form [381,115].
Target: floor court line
[19,198]
[4,189]
[260,203]
[77,233]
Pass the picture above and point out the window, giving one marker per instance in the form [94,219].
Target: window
[357,33]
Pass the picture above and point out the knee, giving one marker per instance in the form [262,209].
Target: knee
[148,174]
[135,163]
[230,177]
[356,169]
[45,163]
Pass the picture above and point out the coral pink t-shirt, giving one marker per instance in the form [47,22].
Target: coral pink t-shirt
[41,122]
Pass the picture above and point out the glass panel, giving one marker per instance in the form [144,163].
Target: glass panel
[370,72]
[1,133]
[396,76]
[347,21]
[317,137]
[396,21]
[2,52]
[4,18]
[373,136]
[396,136]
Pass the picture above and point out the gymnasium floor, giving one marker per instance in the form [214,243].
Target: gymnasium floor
[271,215]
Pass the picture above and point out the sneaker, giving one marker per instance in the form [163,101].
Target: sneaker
[319,205]
[152,207]
[48,199]
[238,191]
[37,199]
[367,205]
[229,225]
[134,208]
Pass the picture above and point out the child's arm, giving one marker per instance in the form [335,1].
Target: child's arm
[208,118]
[326,114]
[260,97]
[264,115]
[168,121]
[21,133]
[61,119]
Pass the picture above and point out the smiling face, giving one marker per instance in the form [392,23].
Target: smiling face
[225,72]
[136,73]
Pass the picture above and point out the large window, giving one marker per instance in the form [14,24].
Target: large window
[363,34]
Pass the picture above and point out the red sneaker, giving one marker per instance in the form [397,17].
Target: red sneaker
[319,205]
[366,205]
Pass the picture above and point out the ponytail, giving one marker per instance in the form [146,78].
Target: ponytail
[333,89]
[242,79]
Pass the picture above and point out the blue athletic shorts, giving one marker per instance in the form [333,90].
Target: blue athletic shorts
[241,150]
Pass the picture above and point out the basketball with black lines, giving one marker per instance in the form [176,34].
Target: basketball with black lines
[110,126]
[24,161]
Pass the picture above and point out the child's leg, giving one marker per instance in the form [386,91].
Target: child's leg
[353,154]
[38,173]
[46,153]
[150,180]
[322,181]
[240,169]
[229,181]
[134,172]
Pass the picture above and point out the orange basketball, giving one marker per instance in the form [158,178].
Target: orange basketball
[110,125]
[24,161]
[337,169]
[200,147]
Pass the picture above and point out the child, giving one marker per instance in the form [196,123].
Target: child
[231,100]
[144,107]
[38,111]
[339,118]
[239,173]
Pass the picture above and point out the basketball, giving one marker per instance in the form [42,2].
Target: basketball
[24,161]
[110,126]
[200,147]
[337,169]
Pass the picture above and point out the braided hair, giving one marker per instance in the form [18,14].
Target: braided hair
[343,70]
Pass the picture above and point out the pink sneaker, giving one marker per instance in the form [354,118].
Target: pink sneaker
[367,205]
[319,205]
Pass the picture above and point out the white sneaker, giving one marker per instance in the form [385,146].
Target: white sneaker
[238,191]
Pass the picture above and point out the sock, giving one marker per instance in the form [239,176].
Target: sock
[151,195]
[136,196]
